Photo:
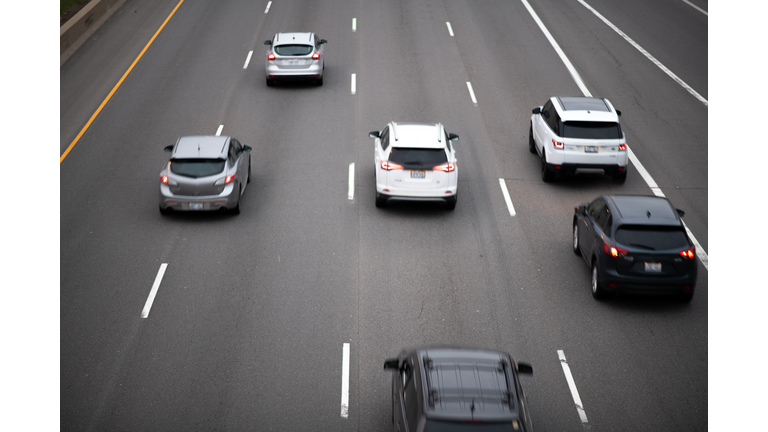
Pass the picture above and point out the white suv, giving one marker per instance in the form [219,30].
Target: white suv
[415,162]
[578,135]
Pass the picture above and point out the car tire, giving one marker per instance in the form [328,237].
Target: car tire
[164,211]
[451,204]
[531,141]
[270,82]
[319,82]
[686,297]
[236,208]
[597,289]
[249,168]
[546,175]
[620,178]
[576,249]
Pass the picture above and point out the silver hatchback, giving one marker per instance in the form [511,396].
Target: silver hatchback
[295,56]
[205,173]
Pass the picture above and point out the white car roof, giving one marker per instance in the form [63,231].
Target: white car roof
[417,135]
[585,109]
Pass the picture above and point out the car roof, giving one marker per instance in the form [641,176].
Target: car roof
[644,210]
[455,379]
[417,135]
[581,108]
[293,37]
[201,147]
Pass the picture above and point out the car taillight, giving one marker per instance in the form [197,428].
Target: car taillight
[613,250]
[164,179]
[271,56]
[558,145]
[623,147]
[389,166]
[316,56]
[229,179]
[687,254]
[447,167]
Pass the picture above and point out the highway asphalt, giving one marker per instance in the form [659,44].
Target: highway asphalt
[247,328]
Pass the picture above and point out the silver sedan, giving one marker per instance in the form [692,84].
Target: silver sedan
[295,56]
[205,173]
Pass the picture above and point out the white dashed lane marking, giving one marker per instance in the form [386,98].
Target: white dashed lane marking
[153,291]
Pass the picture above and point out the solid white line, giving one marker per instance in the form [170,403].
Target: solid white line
[696,7]
[354,24]
[247,59]
[559,51]
[700,252]
[351,189]
[505,192]
[153,291]
[648,55]
[572,385]
[218,132]
[268,5]
[450,30]
[471,93]
[345,381]
[354,83]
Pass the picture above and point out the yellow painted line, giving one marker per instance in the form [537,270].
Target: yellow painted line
[109,96]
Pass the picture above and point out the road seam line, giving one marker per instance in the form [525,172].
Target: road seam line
[505,192]
[153,291]
[572,386]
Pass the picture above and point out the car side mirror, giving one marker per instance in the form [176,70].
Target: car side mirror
[581,209]
[618,113]
[247,148]
[680,212]
[546,113]
[267,42]
[323,41]
[374,134]
[453,137]
[390,364]
[524,368]
[536,110]
[168,148]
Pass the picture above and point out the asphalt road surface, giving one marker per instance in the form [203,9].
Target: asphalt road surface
[251,314]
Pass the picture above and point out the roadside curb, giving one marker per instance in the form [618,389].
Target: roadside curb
[78,29]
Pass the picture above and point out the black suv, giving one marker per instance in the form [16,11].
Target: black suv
[635,244]
[455,389]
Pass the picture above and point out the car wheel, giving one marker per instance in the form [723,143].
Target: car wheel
[546,174]
[451,205]
[531,141]
[164,211]
[270,82]
[236,209]
[576,249]
[249,168]
[597,290]
[620,178]
[319,82]
[686,297]
[380,201]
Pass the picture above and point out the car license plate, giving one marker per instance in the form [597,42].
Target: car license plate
[590,149]
[418,174]
[293,62]
[653,267]
[195,206]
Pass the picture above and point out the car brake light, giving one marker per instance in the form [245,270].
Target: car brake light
[316,56]
[687,254]
[164,179]
[558,145]
[447,167]
[613,250]
[229,179]
[623,147]
[271,56]
[389,166]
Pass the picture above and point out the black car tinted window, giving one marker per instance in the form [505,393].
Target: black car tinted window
[652,237]
[197,167]
[593,130]
[293,50]
[385,138]
[417,158]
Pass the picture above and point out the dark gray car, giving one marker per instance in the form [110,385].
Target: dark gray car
[205,173]
[457,389]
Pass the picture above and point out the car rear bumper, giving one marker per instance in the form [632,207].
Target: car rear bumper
[574,168]
[314,71]
[225,200]
[671,285]
[447,199]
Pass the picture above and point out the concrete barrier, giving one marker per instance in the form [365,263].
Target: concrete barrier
[78,29]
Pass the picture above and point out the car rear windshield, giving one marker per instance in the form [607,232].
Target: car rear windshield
[293,50]
[418,158]
[197,167]
[592,130]
[652,237]
[462,426]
